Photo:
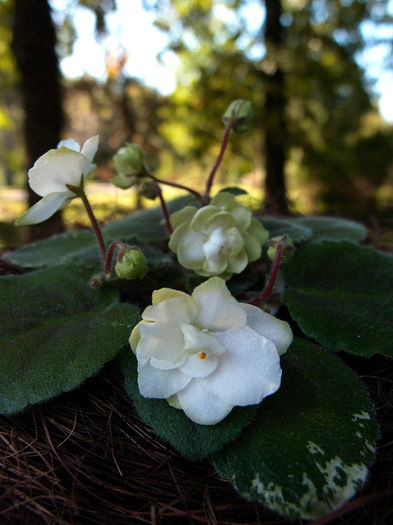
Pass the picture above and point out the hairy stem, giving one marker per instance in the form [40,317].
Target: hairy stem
[224,144]
[94,224]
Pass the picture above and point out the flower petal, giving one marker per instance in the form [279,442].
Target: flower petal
[156,383]
[196,340]
[70,144]
[200,406]
[184,215]
[56,168]
[191,252]
[175,311]
[162,342]
[277,331]
[89,148]
[218,310]
[248,371]
[196,366]
[44,208]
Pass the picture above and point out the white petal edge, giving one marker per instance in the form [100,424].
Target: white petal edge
[89,148]
[200,406]
[56,168]
[160,384]
[218,309]
[44,208]
[277,331]
[248,371]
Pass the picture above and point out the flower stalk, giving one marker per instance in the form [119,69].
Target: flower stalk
[224,143]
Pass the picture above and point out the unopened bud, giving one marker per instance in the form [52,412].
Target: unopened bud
[149,190]
[130,165]
[287,247]
[132,265]
[239,113]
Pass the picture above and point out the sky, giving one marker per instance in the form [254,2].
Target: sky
[132,28]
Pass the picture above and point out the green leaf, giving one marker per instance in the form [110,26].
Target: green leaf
[234,190]
[278,227]
[332,229]
[341,295]
[190,439]
[51,251]
[82,248]
[57,333]
[147,225]
[312,442]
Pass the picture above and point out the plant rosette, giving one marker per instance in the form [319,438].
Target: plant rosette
[218,239]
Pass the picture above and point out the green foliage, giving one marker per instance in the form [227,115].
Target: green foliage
[312,442]
[171,424]
[333,229]
[58,333]
[276,227]
[341,295]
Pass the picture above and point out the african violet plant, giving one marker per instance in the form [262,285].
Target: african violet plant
[208,365]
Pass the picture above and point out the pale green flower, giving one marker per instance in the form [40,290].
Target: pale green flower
[218,239]
[207,353]
[69,164]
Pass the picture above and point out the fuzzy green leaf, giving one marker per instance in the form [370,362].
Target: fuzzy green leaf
[190,439]
[56,332]
[341,295]
[332,229]
[312,442]
[278,227]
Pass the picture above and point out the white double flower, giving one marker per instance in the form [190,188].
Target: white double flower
[207,353]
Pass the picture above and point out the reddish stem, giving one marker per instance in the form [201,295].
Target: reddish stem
[180,186]
[164,209]
[94,224]
[224,144]
[272,279]
[111,251]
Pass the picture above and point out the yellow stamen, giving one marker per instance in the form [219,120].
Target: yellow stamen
[202,355]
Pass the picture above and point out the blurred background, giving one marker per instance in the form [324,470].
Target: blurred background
[161,73]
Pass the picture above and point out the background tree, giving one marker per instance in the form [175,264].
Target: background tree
[34,47]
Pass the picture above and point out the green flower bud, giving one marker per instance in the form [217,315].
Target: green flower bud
[149,190]
[218,239]
[287,247]
[130,166]
[132,265]
[239,113]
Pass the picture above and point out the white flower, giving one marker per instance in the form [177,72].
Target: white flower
[68,164]
[218,239]
[207,353]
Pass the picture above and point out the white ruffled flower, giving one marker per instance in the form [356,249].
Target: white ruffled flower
[218,239]
[207,353]
[68,164]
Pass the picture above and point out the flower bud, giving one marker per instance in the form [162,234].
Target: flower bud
[149,190]
[239,113]
[287,247]
[132,265]
[130,165]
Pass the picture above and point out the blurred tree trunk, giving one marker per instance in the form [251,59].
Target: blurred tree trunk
[34,49]
[275,102]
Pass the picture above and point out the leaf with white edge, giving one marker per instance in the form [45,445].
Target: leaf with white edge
[277,227]
[341,295]
[312,442]
[171,424]
[332,229]
[58,332]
